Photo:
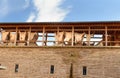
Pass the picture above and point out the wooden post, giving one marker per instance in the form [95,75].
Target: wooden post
[106,36]
[89,36]
[43,36]
[46,39]
[28,41]
[115,39]
[58,30]
[72,36]
[15,36]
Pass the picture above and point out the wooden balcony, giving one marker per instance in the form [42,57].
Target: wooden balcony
[46,32]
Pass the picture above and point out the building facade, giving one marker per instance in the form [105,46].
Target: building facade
[60,50]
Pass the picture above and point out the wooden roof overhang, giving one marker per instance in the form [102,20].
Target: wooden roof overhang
[111,26]
[39,24]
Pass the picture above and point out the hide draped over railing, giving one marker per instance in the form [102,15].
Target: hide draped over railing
[60,34]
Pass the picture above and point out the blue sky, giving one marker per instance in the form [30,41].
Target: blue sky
[59,10]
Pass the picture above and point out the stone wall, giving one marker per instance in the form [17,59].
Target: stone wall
[35,62]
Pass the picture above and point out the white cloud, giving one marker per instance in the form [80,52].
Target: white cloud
[7,6]
[31,18]
[27,3]
[17,5]
[4,8]
[48,11]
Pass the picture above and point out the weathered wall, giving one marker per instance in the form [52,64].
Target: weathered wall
[36,62]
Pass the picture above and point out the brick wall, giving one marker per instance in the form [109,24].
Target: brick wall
[36,62]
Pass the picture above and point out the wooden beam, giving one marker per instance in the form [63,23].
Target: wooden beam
[43,36]
[28,41]
[16,36]
[72,44]
[58,30]
[64,29]
[89,36]
[106,36]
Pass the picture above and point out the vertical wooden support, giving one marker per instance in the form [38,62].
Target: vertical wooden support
[106,36]
[43,36]
[58,30]
[89,36]
[72,36]
[1,35]
[46,39]
[15,36]
[28,41]
[115,39]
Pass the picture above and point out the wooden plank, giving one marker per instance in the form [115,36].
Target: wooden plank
[28,41]
[89,36]
[43,37]
[64,30]
[80,29]
[97,29]
[14,30]
[16,36]
[106,36]
[72,44]
[58,29]
[87,24]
